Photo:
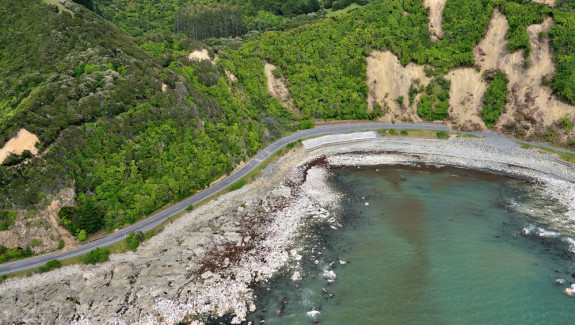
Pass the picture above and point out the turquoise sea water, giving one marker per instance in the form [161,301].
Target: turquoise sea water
[434,246]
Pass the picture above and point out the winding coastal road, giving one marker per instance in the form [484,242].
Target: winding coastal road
[157,218]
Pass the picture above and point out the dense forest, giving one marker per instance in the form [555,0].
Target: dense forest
[146,17]
[87,80]
[127,147]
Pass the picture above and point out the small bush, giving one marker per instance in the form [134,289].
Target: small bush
[392,132]
[190,207]
[132,242]
[238,185]
[566,124]
[403,132]
[82,236]
[96,256]
[306,124]
[442,135]
[50,265]
[61,244]
[35,242]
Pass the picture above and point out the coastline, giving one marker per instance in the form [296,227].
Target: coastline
[205,261]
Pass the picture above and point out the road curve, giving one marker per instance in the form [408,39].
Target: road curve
[159,217]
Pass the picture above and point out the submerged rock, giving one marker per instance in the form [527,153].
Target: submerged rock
[296,276]
[313,313]
[329,276]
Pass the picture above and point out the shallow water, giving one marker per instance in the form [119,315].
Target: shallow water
[434,246]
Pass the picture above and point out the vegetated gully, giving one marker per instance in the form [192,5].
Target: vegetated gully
[157,218]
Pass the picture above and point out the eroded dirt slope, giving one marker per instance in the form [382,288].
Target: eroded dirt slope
[531,108]
[388,80]
[277,87]
[435,18]
[24,140]
[531,103]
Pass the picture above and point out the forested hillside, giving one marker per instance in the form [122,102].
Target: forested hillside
[126,119]
[325,62]
[145,17]
[106,128]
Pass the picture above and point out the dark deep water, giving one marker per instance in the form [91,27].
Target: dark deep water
[434,246]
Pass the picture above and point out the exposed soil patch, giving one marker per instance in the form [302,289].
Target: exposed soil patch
[24,140]
[435,18]
[388,80]
[43,226]
[546,2]
[199,55]
[466,99]
[277,87]
[230,75]
[532,106]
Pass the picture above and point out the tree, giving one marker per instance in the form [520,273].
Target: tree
[86,3]
[90,218]
[132,242]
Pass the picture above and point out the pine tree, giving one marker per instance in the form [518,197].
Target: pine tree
[90,218]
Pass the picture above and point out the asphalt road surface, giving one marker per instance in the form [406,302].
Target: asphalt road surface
[159,217]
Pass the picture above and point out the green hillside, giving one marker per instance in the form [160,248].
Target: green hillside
[94,98]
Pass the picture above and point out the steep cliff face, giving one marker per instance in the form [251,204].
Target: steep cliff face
[531,105]
[40,229]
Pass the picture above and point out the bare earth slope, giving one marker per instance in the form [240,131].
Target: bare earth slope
[24,140]
[435,18]
[531,104]
[388,80]
[277,87]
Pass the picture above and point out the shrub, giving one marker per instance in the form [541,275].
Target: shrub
[565,123]
[494,99]
[442,135]
[306,124]
[392,132]
[50,265]
[132,242]
[61,244]
[34,242]
[96,256]
[13,159]
[82,236]
[190,207]
[403,132]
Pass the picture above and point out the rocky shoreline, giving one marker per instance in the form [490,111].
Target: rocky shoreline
[205,262]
